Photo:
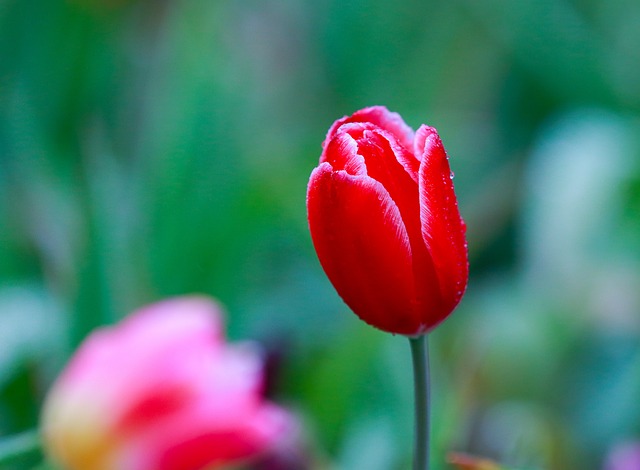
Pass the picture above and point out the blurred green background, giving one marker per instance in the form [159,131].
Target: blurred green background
[156,148]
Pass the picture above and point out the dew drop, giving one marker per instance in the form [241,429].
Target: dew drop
[451,175]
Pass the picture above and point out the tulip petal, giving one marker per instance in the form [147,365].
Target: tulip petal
[166,327]
[342,153]
[175,318]
[364,248]
[365,149]
[170,341]
[228,421]
[381,117]
[194,442]
[443,229]
[383,166]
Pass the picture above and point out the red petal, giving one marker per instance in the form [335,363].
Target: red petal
[342,153]
[381,117]
[364,248]
[442,227]
[377,118]
[200,444]
[383,166]
[195,440]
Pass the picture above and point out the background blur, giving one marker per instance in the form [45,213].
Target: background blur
[157,148]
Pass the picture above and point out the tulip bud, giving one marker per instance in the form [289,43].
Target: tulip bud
[385,223]
[161,391]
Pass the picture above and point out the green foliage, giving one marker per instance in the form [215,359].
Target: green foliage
[157,148]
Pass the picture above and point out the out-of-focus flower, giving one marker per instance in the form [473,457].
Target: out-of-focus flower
[468,462]
[161,391]
[624,457]
[385,223]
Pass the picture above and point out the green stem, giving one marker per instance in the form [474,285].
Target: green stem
[13,447]
[420,356]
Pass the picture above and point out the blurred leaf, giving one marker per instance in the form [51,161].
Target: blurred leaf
[368,444]
[575,175]
[565,58]
[332,386]
[33,329]
[20,451]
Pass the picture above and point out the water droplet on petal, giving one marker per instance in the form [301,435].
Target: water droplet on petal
[451,175]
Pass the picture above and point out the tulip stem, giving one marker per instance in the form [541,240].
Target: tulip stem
[421,375]
[16,446]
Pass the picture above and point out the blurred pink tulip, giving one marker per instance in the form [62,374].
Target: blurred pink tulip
[161,391]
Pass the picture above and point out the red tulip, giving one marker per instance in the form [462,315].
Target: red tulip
[162,391]
[385,223]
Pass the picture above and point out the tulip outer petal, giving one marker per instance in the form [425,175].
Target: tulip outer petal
[364,248]
[442,226]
